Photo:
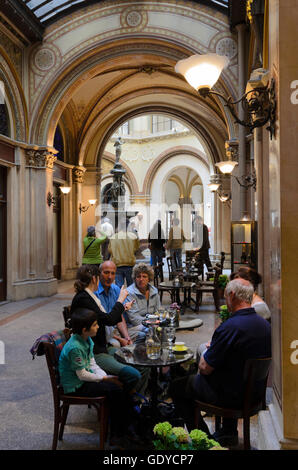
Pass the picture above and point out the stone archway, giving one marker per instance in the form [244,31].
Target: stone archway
[14,97]
[57,71]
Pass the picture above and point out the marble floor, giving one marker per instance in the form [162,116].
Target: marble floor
[26,410]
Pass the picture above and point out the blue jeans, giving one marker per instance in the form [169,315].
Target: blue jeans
[122,273]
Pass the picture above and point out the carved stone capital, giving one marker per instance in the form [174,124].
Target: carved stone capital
[232,149]
[78,174]
[40,158]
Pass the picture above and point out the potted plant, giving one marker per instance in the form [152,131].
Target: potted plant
[224,313]
[178,438]
[222,282]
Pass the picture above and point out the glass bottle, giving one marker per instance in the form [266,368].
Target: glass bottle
[243,254]
[153,344]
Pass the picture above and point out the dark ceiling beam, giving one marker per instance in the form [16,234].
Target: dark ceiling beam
[23,19]
[237,12]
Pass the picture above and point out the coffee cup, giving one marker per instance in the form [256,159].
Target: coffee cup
[179,346]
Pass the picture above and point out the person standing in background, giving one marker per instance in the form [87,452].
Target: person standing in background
[107,228]
[156,240]
[123,247]
[92,247]
[201,240]
[175,244]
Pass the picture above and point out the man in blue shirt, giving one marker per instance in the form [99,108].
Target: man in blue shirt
[108,294]
[219,381]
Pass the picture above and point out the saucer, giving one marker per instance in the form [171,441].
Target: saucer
[180,351]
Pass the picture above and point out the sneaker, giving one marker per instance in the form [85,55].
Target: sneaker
[226,438]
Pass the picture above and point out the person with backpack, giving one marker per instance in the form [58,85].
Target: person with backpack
[92,247]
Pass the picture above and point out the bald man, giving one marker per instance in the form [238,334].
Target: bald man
[108,293]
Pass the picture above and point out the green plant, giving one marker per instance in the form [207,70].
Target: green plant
[177,438]
[222,281]
[224,313]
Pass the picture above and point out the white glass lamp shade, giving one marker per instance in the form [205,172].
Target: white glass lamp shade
[65,189]
[92,201]
[213,186]
[224,197]
[226,167]
[202,71]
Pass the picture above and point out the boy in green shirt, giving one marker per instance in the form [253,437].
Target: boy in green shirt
[81,376]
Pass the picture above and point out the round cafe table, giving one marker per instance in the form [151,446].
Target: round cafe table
[135,355]
[175,288]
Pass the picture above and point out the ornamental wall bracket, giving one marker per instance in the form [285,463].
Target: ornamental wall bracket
[78,174]
[232,149]
[36,158]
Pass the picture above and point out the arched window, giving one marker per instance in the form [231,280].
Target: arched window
[59,144]
[4,120]
[105,194]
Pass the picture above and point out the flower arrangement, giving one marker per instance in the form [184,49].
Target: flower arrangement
[175,306]
[224,313]
[177,438]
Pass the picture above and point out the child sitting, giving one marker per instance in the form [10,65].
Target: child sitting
[81,376]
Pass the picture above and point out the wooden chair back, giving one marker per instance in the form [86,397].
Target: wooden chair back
[66,316]
[256,372]
[170,267]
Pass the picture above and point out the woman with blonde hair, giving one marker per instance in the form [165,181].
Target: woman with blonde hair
[146,300]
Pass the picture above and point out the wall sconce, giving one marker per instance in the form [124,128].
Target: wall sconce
[214,186]
[246,181]
[85,208]
[52,200]
[203,71]
[227,166]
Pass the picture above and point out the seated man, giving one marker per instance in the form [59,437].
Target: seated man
[219,381]
[108,294]
[146,300]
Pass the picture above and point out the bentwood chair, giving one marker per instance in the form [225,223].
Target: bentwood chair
[201,288]
[220,265]
[66,316]
[255,372]
[158,278]
[62,401]
[170,267]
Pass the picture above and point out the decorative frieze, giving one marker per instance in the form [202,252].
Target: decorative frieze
[40,158]
[78,174]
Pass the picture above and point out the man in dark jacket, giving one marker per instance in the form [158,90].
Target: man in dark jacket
[245,335]
[201,240]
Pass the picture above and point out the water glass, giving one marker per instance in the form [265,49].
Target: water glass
[171,334]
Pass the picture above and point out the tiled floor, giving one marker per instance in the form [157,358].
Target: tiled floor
[26,410]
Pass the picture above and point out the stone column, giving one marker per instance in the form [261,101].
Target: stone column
[33,220]
[78,179]
[239,195]
[279,426]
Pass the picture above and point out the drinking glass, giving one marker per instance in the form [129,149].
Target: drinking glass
[172,316]
[171,334]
